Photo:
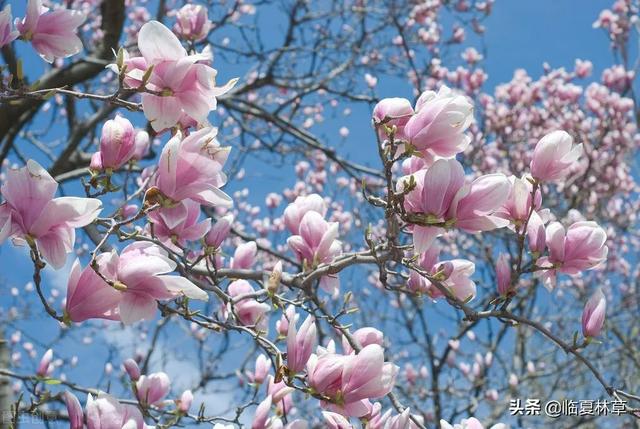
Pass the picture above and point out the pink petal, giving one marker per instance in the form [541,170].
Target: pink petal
[178,285]
[134,307]
[157,43]
[423,237]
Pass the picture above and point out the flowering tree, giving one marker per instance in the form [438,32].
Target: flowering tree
[464,268]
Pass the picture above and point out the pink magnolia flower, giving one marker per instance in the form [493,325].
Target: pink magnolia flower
[245,256]
[30,214]
[179,224]
[366,375]
[403,421]
[262,367]
[376,419]
[45,367]
[249,311]
[52,34]
[581,247]
[503,274]
[336,421]
[191,168]
[554,156]
[295,211]
[472,56]
[105,412]
[300,344]
[7,35]
[117,143]
[179,84]
[316,245]
[455,275]
[394,112]
[74,410]
[151,389]
[352,380]
[363,337]
[439,123]
[583,68]
[219,231]
[594,314]
[441,199]
[192,22]
[138,275]
[519,203]
[89,296]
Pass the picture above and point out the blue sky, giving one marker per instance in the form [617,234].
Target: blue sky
[525,34]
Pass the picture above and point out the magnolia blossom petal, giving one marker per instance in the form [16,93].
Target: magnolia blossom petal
[423,237]
[72,212]
[213,196]
[55,245]
[103,412]
[162,112]
[179,285]
[135,307]
[157,43]
[28,190]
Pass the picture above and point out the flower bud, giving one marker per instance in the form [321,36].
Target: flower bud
[554,156]
[96,162]
[274,278]
[503,274]
[261,369]
[300,344]
[152,388]
[244,256]
[132,369]
[185,401]
[141,144]
[192,22]
[393,112]
[594,314]
[44,367]
[117,143]
[219,231]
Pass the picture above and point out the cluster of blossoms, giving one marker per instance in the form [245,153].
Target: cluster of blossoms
[126,286]
[436,197]
[314,239]
[104,410]
[177,88]
[353,378]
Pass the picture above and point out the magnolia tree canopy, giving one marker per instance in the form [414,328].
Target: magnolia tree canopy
[237,246]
